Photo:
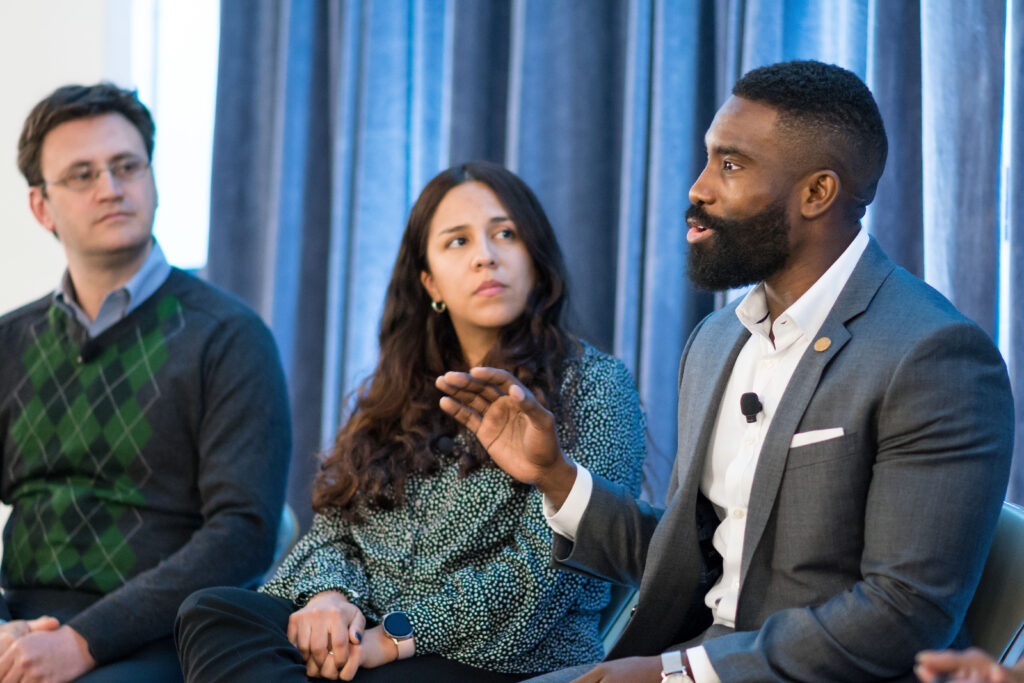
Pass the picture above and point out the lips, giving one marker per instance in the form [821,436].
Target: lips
[114,215]
[697,232]
[490,288]
[698,224]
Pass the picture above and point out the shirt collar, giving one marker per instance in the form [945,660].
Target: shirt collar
[147,279]
[806,315]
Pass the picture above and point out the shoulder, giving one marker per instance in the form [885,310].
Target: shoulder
[210,306]
[29,312]
[204,298]
[907,311]
[13,325]
[587,366]
[594,382]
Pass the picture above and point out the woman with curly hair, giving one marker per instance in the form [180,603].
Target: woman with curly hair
[425,561]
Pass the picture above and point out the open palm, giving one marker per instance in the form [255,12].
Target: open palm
[517,431]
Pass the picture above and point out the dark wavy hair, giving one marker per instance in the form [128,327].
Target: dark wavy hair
[396,418]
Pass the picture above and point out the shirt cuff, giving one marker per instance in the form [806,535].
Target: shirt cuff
[566,520]
[700,666]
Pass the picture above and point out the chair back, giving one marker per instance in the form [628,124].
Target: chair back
[616,614]
[287,537]
[996,614]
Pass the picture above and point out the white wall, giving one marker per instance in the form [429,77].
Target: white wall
[45,44]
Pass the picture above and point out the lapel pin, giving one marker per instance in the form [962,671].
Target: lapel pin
[822,344]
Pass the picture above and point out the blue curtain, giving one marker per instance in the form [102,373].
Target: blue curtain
[332,115]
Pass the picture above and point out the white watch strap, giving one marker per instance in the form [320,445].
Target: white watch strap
[671,662]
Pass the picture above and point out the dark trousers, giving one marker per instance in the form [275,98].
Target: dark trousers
[234,634]
[155,662]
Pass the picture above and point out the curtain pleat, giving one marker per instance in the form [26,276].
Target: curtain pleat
[1015,229]
[962,43]
[331,116]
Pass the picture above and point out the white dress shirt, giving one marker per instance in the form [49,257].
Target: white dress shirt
[762,367]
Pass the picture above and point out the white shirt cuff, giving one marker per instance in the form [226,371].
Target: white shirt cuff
[700,666]
[566,520]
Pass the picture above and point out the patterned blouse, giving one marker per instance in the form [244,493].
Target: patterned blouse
[468,559]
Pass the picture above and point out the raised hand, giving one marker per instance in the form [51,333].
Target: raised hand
[517,431]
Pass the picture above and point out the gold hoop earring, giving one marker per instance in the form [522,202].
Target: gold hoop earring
[439,306]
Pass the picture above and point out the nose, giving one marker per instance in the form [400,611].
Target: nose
[700,190]
[106,185]
[484,257]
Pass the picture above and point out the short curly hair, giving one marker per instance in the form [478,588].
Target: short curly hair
[830,114]
[71,102]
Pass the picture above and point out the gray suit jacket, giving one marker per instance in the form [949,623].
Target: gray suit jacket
[859,551]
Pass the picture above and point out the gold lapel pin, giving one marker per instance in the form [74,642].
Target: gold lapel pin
[822,344]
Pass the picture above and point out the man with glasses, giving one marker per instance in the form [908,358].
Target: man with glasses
[144,425]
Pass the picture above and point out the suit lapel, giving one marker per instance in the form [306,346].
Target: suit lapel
[872,269]
[697,410]
[673,569]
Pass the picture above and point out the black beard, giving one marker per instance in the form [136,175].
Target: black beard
[741,251]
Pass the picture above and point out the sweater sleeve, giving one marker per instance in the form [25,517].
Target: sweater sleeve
[324,559]
[242,446]
[504,606]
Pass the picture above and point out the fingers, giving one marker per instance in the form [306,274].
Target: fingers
[319,637]
[44,623]
[299,635]
[972,664]
[468,390]
[344,627]
[356,628]
[329,670]
[351,667]
[462,414]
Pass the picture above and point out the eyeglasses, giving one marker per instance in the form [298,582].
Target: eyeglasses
[82,178]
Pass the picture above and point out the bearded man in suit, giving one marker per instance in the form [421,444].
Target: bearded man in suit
[844,438]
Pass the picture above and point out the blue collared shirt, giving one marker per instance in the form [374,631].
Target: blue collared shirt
[120,302]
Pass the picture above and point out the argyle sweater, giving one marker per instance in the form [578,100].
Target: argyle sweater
[143,464]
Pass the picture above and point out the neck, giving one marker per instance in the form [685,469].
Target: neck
[805,268]
[93,279]
[476,344]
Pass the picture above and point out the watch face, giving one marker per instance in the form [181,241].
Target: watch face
[397,625]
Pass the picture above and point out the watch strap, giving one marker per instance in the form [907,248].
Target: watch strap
[672,667]
[406,648]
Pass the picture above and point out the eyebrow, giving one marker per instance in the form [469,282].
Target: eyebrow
[117,157]
[725,150]
[492,221]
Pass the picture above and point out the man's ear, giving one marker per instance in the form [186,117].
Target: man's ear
[428,284]
[41,210]
[820,193]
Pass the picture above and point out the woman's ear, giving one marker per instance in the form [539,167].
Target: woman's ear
[428,284]
[820,192]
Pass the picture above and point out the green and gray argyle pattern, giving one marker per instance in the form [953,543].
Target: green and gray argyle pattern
[79,433]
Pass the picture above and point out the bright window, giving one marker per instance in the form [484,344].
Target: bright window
[174,46]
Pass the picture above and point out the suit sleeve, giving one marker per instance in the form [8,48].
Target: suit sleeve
[616,528]
[243,445]
[943,448]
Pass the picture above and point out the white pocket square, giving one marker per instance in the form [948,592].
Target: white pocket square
[815,436]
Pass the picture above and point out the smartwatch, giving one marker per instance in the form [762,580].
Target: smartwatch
[398,628]
[672,668]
